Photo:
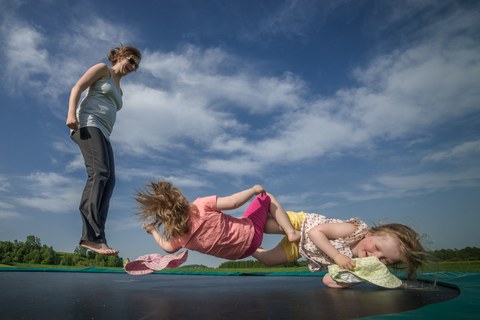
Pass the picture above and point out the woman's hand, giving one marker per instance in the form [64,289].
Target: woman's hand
[72,122]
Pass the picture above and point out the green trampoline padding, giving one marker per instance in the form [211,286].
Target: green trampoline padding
[465,306]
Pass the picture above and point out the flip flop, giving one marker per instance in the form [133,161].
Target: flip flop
[153,262]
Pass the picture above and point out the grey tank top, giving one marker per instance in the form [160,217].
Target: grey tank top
[100,105]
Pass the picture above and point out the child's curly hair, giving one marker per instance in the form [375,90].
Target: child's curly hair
[412,251]
[162,203]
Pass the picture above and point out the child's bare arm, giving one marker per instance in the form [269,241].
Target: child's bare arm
[160,240]
[320,236]
[238,199]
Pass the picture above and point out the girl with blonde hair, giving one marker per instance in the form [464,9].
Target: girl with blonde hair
[202,226]
[325,241]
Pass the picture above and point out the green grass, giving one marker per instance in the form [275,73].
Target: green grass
[48,266]
[452,266]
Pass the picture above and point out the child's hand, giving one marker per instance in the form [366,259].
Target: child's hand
[258,189]
[344,262]
[148,227]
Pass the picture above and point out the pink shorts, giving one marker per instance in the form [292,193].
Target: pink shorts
[257,212]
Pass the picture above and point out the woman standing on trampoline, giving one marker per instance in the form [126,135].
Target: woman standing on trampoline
[202,226]
[327,241]
[91,125]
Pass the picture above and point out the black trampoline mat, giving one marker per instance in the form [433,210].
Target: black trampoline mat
[69,295]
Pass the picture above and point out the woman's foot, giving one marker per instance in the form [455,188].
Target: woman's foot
[100,248]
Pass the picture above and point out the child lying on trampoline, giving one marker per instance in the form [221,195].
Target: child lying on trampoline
[332,241]
[202,226]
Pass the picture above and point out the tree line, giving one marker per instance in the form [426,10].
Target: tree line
[466,254]
[257,264]
[33,252]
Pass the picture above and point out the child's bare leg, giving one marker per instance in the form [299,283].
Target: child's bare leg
[281,217]
[271,257]
[272,227]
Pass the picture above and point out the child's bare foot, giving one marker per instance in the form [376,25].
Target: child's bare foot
[294,236]
[100,248]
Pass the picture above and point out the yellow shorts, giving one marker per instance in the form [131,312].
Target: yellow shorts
[291,248]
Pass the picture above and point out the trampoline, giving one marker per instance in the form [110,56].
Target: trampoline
[92,294]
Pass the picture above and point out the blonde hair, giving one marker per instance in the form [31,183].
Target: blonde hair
[411,249]
[162,203]
[123,51]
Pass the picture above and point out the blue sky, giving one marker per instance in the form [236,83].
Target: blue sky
[365,109]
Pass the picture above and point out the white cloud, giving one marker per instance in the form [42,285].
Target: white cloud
[4,184]
[9,214]
[186,102]
[297,137]
[400,94]
[7,209]
[134,173]
[50,192]
[417,88]
[77,163]
[239,166]
[297,202]
[5,206]
[70,148]
[124,224]
[26,59]
[216,78]
[100,31]
[431,181]
[150,174]
[228,144]
[294,17]
[464,150]
[184,182]
[34,62]
[192,96]
[398,186]
[155,120]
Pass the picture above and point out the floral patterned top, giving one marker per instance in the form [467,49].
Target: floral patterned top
[317,259]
